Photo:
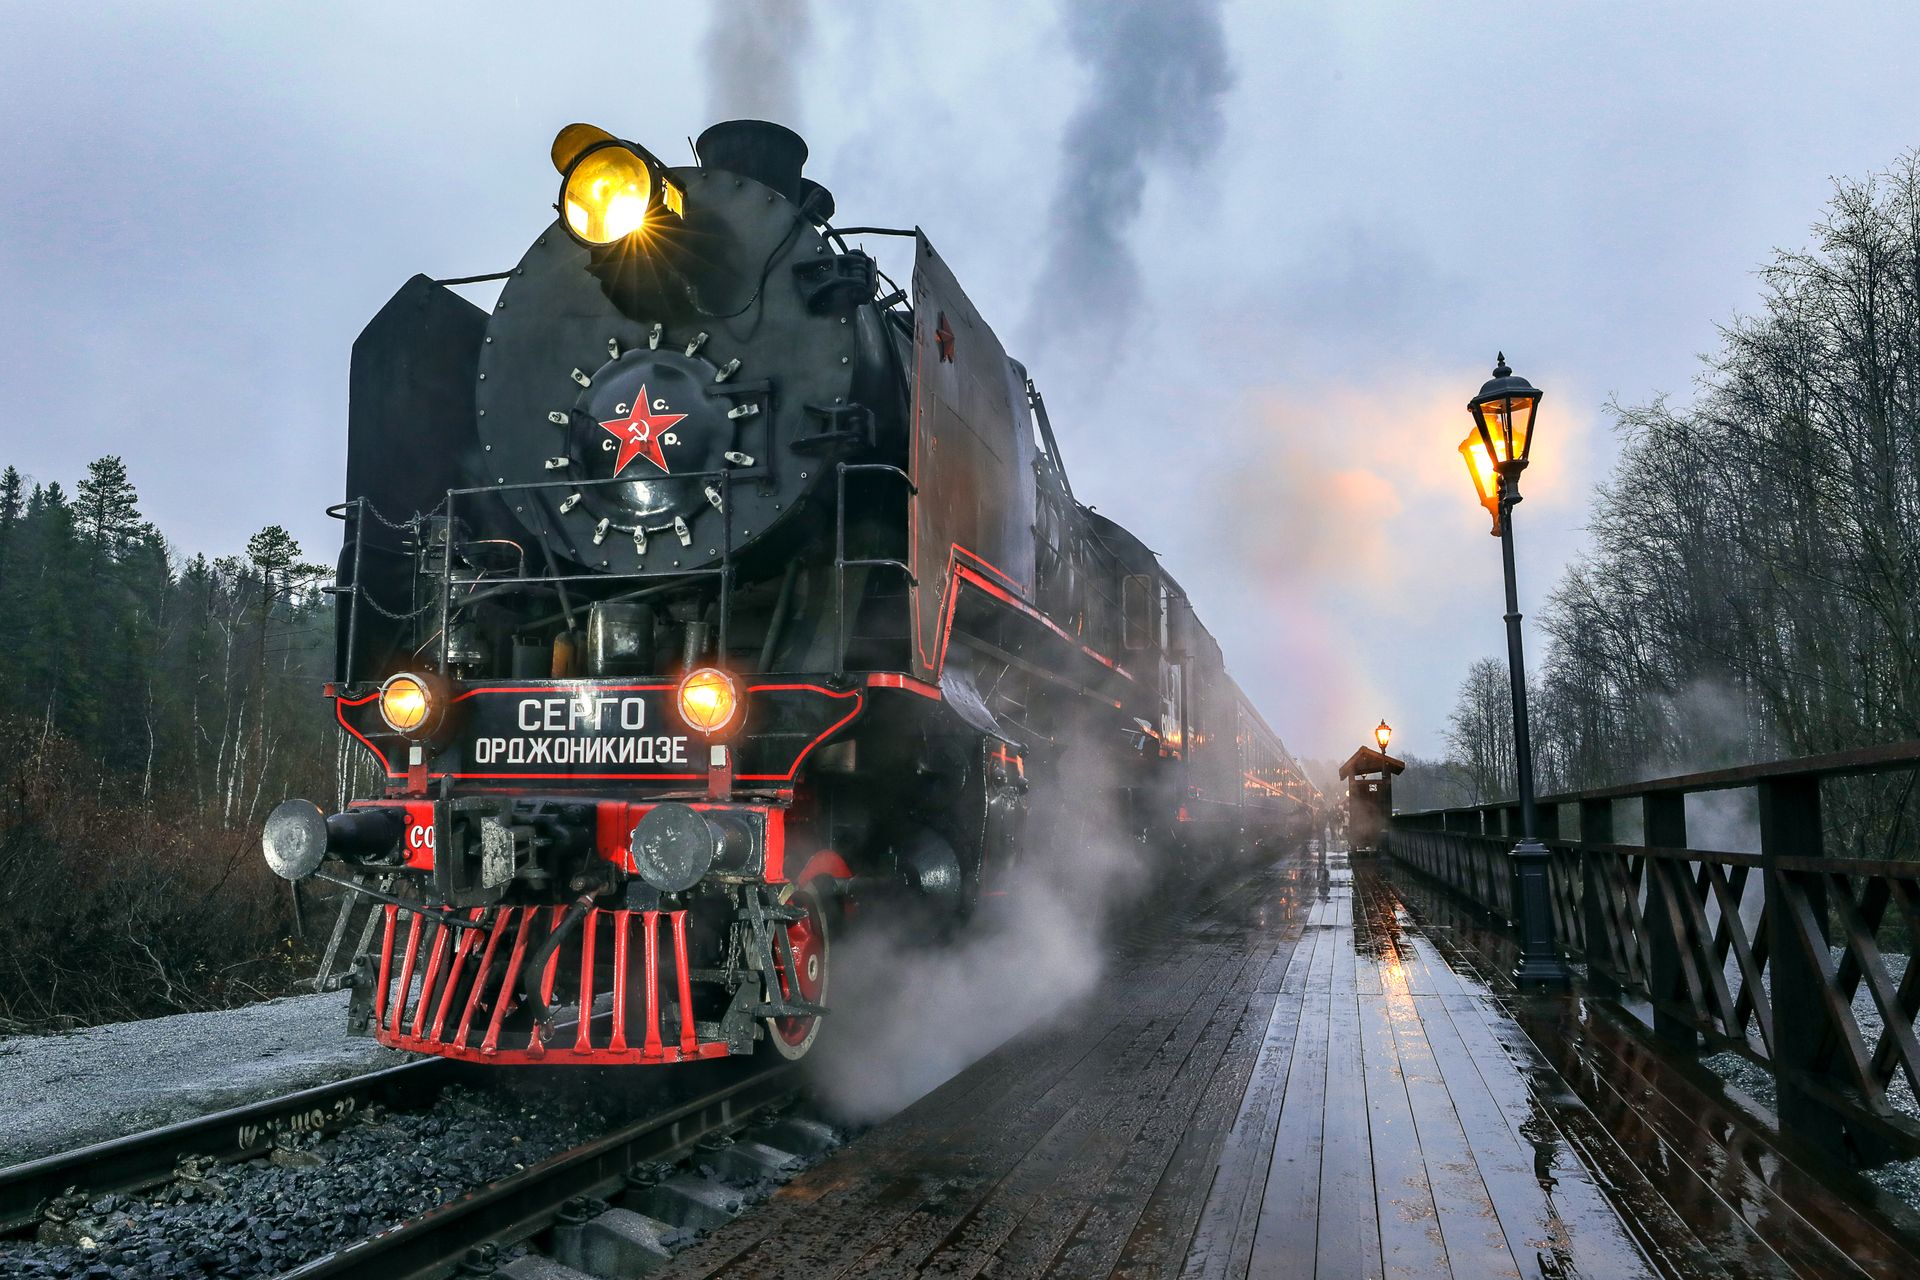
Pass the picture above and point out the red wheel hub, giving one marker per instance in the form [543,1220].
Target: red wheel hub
[807,938]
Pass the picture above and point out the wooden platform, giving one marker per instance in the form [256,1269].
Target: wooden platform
[1300,1075]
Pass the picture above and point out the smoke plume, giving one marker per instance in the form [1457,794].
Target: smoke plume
[1159,69]
[751,50]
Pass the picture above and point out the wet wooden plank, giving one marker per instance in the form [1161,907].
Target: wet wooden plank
[1475,1243]
[1550,1197]
[1411,1245]
[1223,1237]
[1287,1230]
[1020,1222]
[1562,1215]
[1167,1223]
[1125,1166]
[1348,1235]
[1536,1105]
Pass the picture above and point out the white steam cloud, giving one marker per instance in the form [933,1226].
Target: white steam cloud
[1159,70]
[751,49]
[909,1014]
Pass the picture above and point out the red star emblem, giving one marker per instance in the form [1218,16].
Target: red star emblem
[943,335]
[639,433]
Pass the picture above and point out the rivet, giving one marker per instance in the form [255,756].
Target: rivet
[803,475]
[489,448]
[483,377]
[490,337]
[843,360]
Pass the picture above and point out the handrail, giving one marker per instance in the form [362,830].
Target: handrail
[840,562]
[1765,955]
[1884,758]
[723,571]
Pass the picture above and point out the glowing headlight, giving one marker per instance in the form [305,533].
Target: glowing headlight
[610,188]
[407,705]
[607,193]
[709,701]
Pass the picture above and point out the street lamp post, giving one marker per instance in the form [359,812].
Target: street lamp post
[1496,453]
[1383,735]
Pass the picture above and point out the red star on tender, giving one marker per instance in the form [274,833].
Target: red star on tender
[639,433]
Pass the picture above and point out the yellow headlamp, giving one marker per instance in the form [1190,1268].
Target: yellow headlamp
[411,705]
[710,702]
[609,189]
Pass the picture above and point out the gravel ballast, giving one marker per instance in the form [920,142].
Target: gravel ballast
[315,1195]
[66,1090]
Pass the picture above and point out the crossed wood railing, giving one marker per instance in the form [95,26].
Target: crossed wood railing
[1762,954]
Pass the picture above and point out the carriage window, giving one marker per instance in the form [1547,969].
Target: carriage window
[1139,610]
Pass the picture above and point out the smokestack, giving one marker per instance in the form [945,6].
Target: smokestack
[770,154]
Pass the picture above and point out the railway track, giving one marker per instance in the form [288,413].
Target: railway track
[144,1160]
[568,1196]
[636,1188]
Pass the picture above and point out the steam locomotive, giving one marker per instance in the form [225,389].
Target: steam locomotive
[709,592]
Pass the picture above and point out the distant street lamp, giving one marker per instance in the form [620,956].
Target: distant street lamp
[1496,453]
[1383,735]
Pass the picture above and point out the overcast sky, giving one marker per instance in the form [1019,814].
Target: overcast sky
[1257,255]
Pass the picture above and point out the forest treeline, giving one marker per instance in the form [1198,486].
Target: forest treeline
[1752,585]
[153,707]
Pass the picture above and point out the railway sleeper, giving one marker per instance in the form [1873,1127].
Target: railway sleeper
[665,1206]
[691,1201]
[614,1242]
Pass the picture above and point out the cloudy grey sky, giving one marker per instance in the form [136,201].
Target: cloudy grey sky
[1258,255]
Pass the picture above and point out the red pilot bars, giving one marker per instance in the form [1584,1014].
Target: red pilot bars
[418,1019]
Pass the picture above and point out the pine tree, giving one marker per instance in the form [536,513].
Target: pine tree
[13,509]
[107,512]
[13,513]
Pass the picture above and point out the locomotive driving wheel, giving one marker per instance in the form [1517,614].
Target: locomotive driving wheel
[810,939]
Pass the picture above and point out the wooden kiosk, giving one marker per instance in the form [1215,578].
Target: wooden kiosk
[1369,778]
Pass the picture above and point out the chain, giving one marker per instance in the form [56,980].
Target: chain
[412,524]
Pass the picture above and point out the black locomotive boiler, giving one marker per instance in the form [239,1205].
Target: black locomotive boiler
[712,591]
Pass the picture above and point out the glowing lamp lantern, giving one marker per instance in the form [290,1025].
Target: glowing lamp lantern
[1486,478]
[1383,735]
[1503,416]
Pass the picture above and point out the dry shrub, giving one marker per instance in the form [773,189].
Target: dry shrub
[115,906]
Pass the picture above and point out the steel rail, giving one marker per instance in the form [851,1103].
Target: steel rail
[520,1206]
[146,1159]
